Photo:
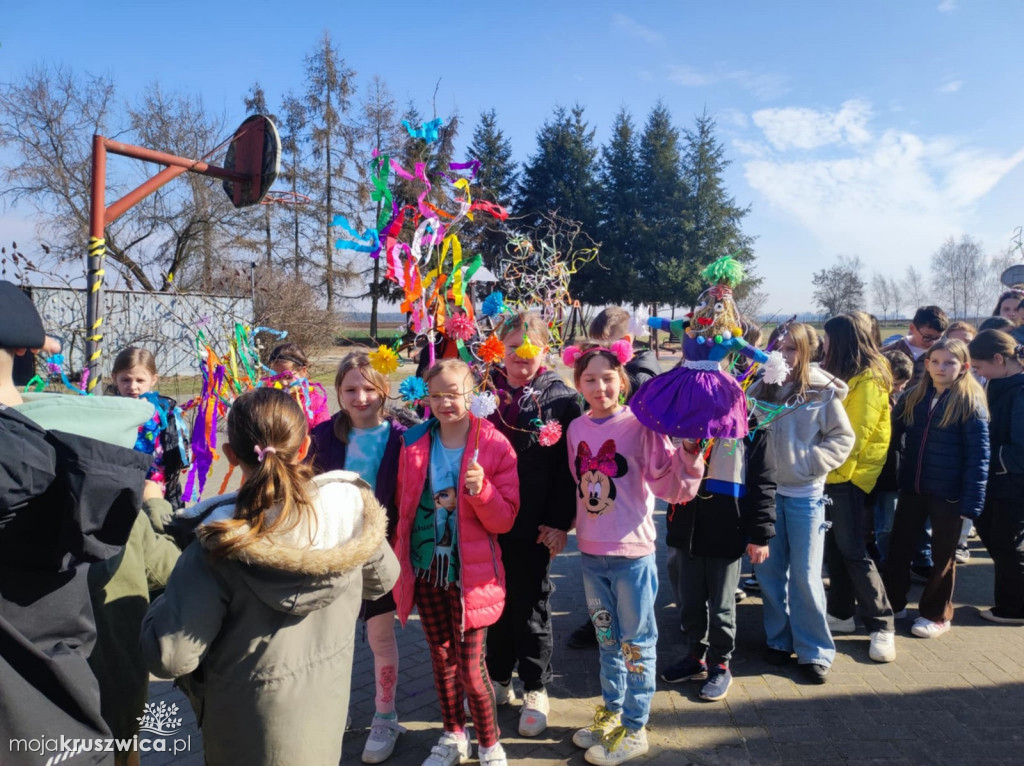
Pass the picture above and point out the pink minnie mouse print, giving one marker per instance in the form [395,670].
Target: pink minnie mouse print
[596,488]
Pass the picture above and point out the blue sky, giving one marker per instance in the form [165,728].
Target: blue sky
[875,129]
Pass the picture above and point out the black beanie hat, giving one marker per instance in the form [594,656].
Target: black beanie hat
[20,325]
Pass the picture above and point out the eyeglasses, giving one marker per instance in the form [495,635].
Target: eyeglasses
[929,338]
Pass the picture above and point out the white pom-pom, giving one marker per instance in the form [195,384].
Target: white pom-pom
[638,323]
[775,369]
[482,405]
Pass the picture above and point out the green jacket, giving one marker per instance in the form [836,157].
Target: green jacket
[120,588]
[263,641]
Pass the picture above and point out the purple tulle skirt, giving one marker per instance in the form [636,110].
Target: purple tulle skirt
[692,404]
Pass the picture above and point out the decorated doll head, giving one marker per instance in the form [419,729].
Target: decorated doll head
[715,316]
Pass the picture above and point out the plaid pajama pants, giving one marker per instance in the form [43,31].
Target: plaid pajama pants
[458,663]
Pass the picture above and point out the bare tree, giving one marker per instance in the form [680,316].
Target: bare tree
[959,276]
[914,288]
[883,294]
[839,288]
[751,304]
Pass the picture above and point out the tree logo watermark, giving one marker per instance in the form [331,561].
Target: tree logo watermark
[159,719]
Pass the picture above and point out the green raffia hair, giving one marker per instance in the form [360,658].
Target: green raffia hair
[725,270]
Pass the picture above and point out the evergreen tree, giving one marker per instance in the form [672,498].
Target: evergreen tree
[614,278]
[495,182]
[561,177]
[662,268]
[295,175]
[716,218]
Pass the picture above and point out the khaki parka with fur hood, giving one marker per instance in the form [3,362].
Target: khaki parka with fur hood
[262,642]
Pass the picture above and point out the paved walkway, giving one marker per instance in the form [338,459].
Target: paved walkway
[957,699]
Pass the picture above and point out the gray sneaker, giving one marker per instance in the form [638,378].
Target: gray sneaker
[448,751]
[381,742]
[504,694]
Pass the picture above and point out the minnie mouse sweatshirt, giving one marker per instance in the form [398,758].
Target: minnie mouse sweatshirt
[620,467]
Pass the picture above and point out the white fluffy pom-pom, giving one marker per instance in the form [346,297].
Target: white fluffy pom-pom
[775,369]
[638,323]
[482,405]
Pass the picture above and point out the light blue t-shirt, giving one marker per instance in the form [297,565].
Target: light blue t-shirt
[366,450]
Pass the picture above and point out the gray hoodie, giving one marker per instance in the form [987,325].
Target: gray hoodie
[265,638]
[812,437]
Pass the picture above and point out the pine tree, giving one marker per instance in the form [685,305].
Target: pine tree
[495,182]
[716,218]
[329,89]
[614,277]
[662,260]
[294,173]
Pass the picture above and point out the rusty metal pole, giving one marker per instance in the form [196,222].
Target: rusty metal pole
[94,269]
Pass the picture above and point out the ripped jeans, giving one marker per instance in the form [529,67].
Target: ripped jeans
[620,598]
[791,586]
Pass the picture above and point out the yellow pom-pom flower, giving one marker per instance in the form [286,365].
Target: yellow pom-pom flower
[384,360]
[528,350]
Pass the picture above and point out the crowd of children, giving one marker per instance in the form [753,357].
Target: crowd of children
[873,459]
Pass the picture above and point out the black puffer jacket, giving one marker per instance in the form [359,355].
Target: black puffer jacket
[951,463]
[1006,437]
[640,369]
[65,501]
[735,504]
[547,490]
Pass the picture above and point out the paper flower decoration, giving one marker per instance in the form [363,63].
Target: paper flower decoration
[493,305]
[775,369]
[528,350]
[413,389]
[384,360]
[483,404]
[550,433]
[491,351]
[459,327]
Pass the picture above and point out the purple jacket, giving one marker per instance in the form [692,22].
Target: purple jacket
[327,453]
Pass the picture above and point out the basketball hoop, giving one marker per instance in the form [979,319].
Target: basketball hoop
[285,198]
[1013,275]
[255,152]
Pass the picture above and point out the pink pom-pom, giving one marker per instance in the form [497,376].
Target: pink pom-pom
[459,327]
[550,433]
[623,350]
[570,354]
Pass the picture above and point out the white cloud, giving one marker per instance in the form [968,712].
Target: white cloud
[763,85]
[801,128]
[952,86]
[946,6]
[634,28]
[888,196]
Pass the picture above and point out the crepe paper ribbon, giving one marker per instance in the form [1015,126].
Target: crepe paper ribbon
[489,207]
[428,131]
[55,365]
[367,242]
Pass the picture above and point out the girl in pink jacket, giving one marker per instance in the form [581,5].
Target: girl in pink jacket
[458,489]
[620,467]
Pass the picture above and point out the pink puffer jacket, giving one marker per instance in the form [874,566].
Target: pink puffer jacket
[481,518]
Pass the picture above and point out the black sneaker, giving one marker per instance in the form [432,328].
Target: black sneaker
[687,669]
[584,637]
[777,657]
[750,583]
[814,672]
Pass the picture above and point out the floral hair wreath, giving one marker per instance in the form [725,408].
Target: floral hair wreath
[621,349]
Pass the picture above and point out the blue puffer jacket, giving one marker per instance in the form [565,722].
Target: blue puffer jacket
[951,463]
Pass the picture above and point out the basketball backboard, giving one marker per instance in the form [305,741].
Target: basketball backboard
[255,151]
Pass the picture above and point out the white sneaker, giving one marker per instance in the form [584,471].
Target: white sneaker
[493,757]
[534,718]
[381,742]
[618,746]
[449,750]
[927,629]
[835,625]
[604,721]
[503,693]
[883,646]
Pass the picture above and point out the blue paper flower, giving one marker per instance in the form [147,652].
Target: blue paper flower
[412,389]
[493,305]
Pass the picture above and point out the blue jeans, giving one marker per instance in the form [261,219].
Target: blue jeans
[620,597]
[885,512]
[791,586]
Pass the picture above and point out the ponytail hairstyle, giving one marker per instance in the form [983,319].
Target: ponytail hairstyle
[852,350]
[357,360]
[966,396]
[266,430]
[988,343]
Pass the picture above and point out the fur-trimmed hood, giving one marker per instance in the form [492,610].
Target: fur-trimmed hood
[305,568]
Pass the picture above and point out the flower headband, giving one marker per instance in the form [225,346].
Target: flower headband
[621,349]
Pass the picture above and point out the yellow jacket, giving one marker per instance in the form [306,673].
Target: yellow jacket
[867,407]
